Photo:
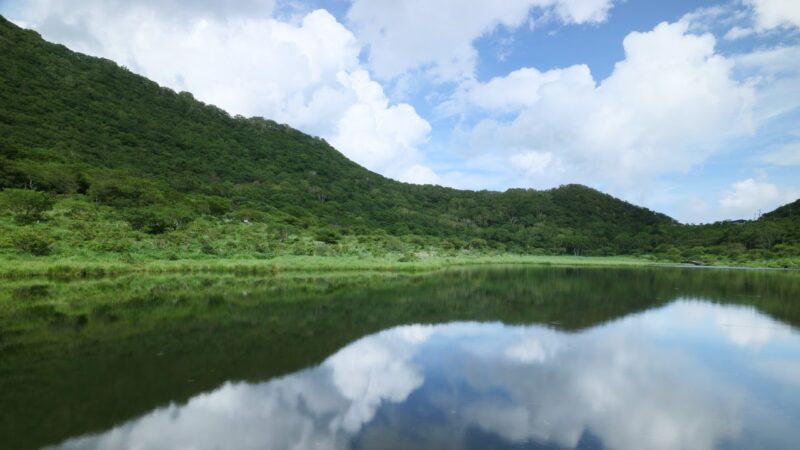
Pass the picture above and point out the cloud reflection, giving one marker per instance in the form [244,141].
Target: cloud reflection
[639,382]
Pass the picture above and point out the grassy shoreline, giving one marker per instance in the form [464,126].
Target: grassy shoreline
[66,267]
[73,267]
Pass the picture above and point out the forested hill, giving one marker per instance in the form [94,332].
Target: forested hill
[93,140]
[787,211]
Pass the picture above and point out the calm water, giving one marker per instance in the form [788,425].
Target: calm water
[476,359]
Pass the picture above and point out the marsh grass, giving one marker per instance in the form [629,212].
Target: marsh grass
[83,268]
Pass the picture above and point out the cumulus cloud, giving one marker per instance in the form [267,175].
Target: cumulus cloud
[623,383]
[419,174]
[372,371]
[532,348]
[512,92]
[761,17]
[437,36]
[381,136]
[597,377]
[591,387]
[666,107]
[311,409]
[775,13]
[303,71]
[745,327]
[281,414]
[748,197]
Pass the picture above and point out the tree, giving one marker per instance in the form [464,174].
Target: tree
[26,206]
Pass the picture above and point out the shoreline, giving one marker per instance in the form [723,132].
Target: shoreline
[78,268]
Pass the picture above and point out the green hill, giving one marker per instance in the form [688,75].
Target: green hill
[120,165]
[788,211]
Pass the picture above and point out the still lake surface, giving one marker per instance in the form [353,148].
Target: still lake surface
[502,358]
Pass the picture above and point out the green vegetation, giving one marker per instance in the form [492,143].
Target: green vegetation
[16,267]
[99,165]
[25,205]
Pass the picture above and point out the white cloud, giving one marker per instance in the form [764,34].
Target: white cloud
[786,155]
[321,408]
[623,382]
[746,327]
[510,93]
[419,174]
[746,18]
[529,349]
[532,163]
[743,199]
[304,71]
[377,135]
[706,19]
[666,107]
[747,197]
[771,61]
[579,11]
[775,75]
[738,32]
[437,35]
[776,13]
[282,414]
[376,370]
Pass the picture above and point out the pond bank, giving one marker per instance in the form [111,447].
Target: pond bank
[62,267]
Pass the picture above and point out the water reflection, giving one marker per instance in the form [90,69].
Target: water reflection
[687,375]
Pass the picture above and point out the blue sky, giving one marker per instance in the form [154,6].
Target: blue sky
[691,108]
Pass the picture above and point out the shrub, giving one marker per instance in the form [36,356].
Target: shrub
[32,241]
[124,192]
[326,236]
[157,219]
[250,215]
[112,244]
[27,206]
[477,244]
[215,205]
[207,249]
[394,245]
[49,176]
[408,257]
[321,249]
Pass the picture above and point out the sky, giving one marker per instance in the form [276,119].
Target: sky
[687,107]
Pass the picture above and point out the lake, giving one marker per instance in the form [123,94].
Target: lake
[484,358]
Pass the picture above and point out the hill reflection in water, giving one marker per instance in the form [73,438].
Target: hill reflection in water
[690,374]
